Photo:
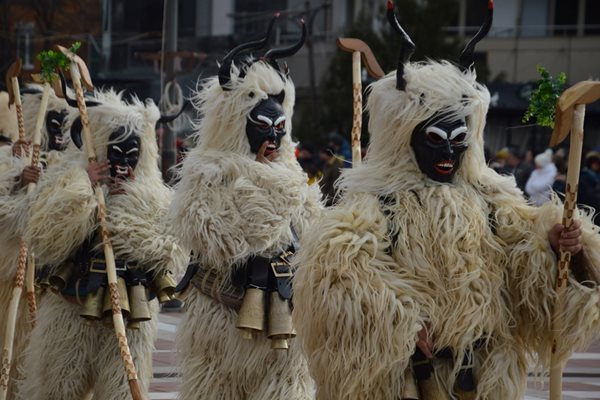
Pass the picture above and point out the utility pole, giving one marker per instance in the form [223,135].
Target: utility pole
[106,34]
[169,146]
[311,13]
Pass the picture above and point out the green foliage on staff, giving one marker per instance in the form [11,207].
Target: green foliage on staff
[542,103]
[51,60]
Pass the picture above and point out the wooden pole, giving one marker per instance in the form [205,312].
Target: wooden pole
[357,106]
[13,308]
[35,162]
[111,272]
[574,166]
[25,270]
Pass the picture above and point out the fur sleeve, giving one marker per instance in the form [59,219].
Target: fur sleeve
[204,216]
[11,195]
[311,211]
[532,277]
[61,213]
[10,170]
[135,221]
[355,314]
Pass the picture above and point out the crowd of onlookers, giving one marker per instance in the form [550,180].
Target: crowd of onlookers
[536,175]
[324,165]
[545,173]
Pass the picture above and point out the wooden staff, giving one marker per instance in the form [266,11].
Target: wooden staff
[35,162]
[12,81]
[359,48]
[78,70]
[570,116]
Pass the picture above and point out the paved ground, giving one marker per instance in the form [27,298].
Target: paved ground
[581,377]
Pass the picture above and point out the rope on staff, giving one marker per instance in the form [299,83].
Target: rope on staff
[35,162]
[77,70]
[13,308]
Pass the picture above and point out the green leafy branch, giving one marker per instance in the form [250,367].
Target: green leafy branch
[51,60]
[542,103]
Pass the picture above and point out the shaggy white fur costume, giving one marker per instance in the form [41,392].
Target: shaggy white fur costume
[227,208]
[8,118]
[67,357]
[471,259]
[12,205]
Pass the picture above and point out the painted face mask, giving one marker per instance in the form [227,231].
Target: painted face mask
[123,155]
[438,145]
[54,126]
[266,123]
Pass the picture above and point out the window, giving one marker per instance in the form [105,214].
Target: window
[592,17]
[565,17]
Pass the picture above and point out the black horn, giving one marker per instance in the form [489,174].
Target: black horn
[466,57]
[275,54]
[165,119]
[225,69]
[76,128]
[408,47]
[30,90]
[72,102]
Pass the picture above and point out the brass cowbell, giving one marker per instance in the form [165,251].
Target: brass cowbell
[280,322]
[251,317]
[93,306]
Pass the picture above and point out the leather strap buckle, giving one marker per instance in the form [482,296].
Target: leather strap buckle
[281,266]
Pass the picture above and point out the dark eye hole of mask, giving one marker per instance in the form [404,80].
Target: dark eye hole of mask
[434,138]
[460,138]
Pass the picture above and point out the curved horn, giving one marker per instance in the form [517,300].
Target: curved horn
[76,128]
[408,47]
[225,69]
[165,119]
[30,90]
[275,54]
[72,102]
[466,56]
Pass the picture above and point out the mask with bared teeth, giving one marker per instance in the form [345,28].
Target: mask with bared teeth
[123,153]
[438,144]
[266,123]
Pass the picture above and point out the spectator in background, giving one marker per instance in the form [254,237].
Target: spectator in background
[498,163]
[309,163]
[332,166]
[560,181]
[516,166]
[589,183]
[341,147]
[539,184]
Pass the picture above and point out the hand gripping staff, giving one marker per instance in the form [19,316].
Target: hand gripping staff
[23,273]
[570,115]
[79,72]
[359,48]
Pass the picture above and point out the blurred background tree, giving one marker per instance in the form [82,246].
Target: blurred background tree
[424,22]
